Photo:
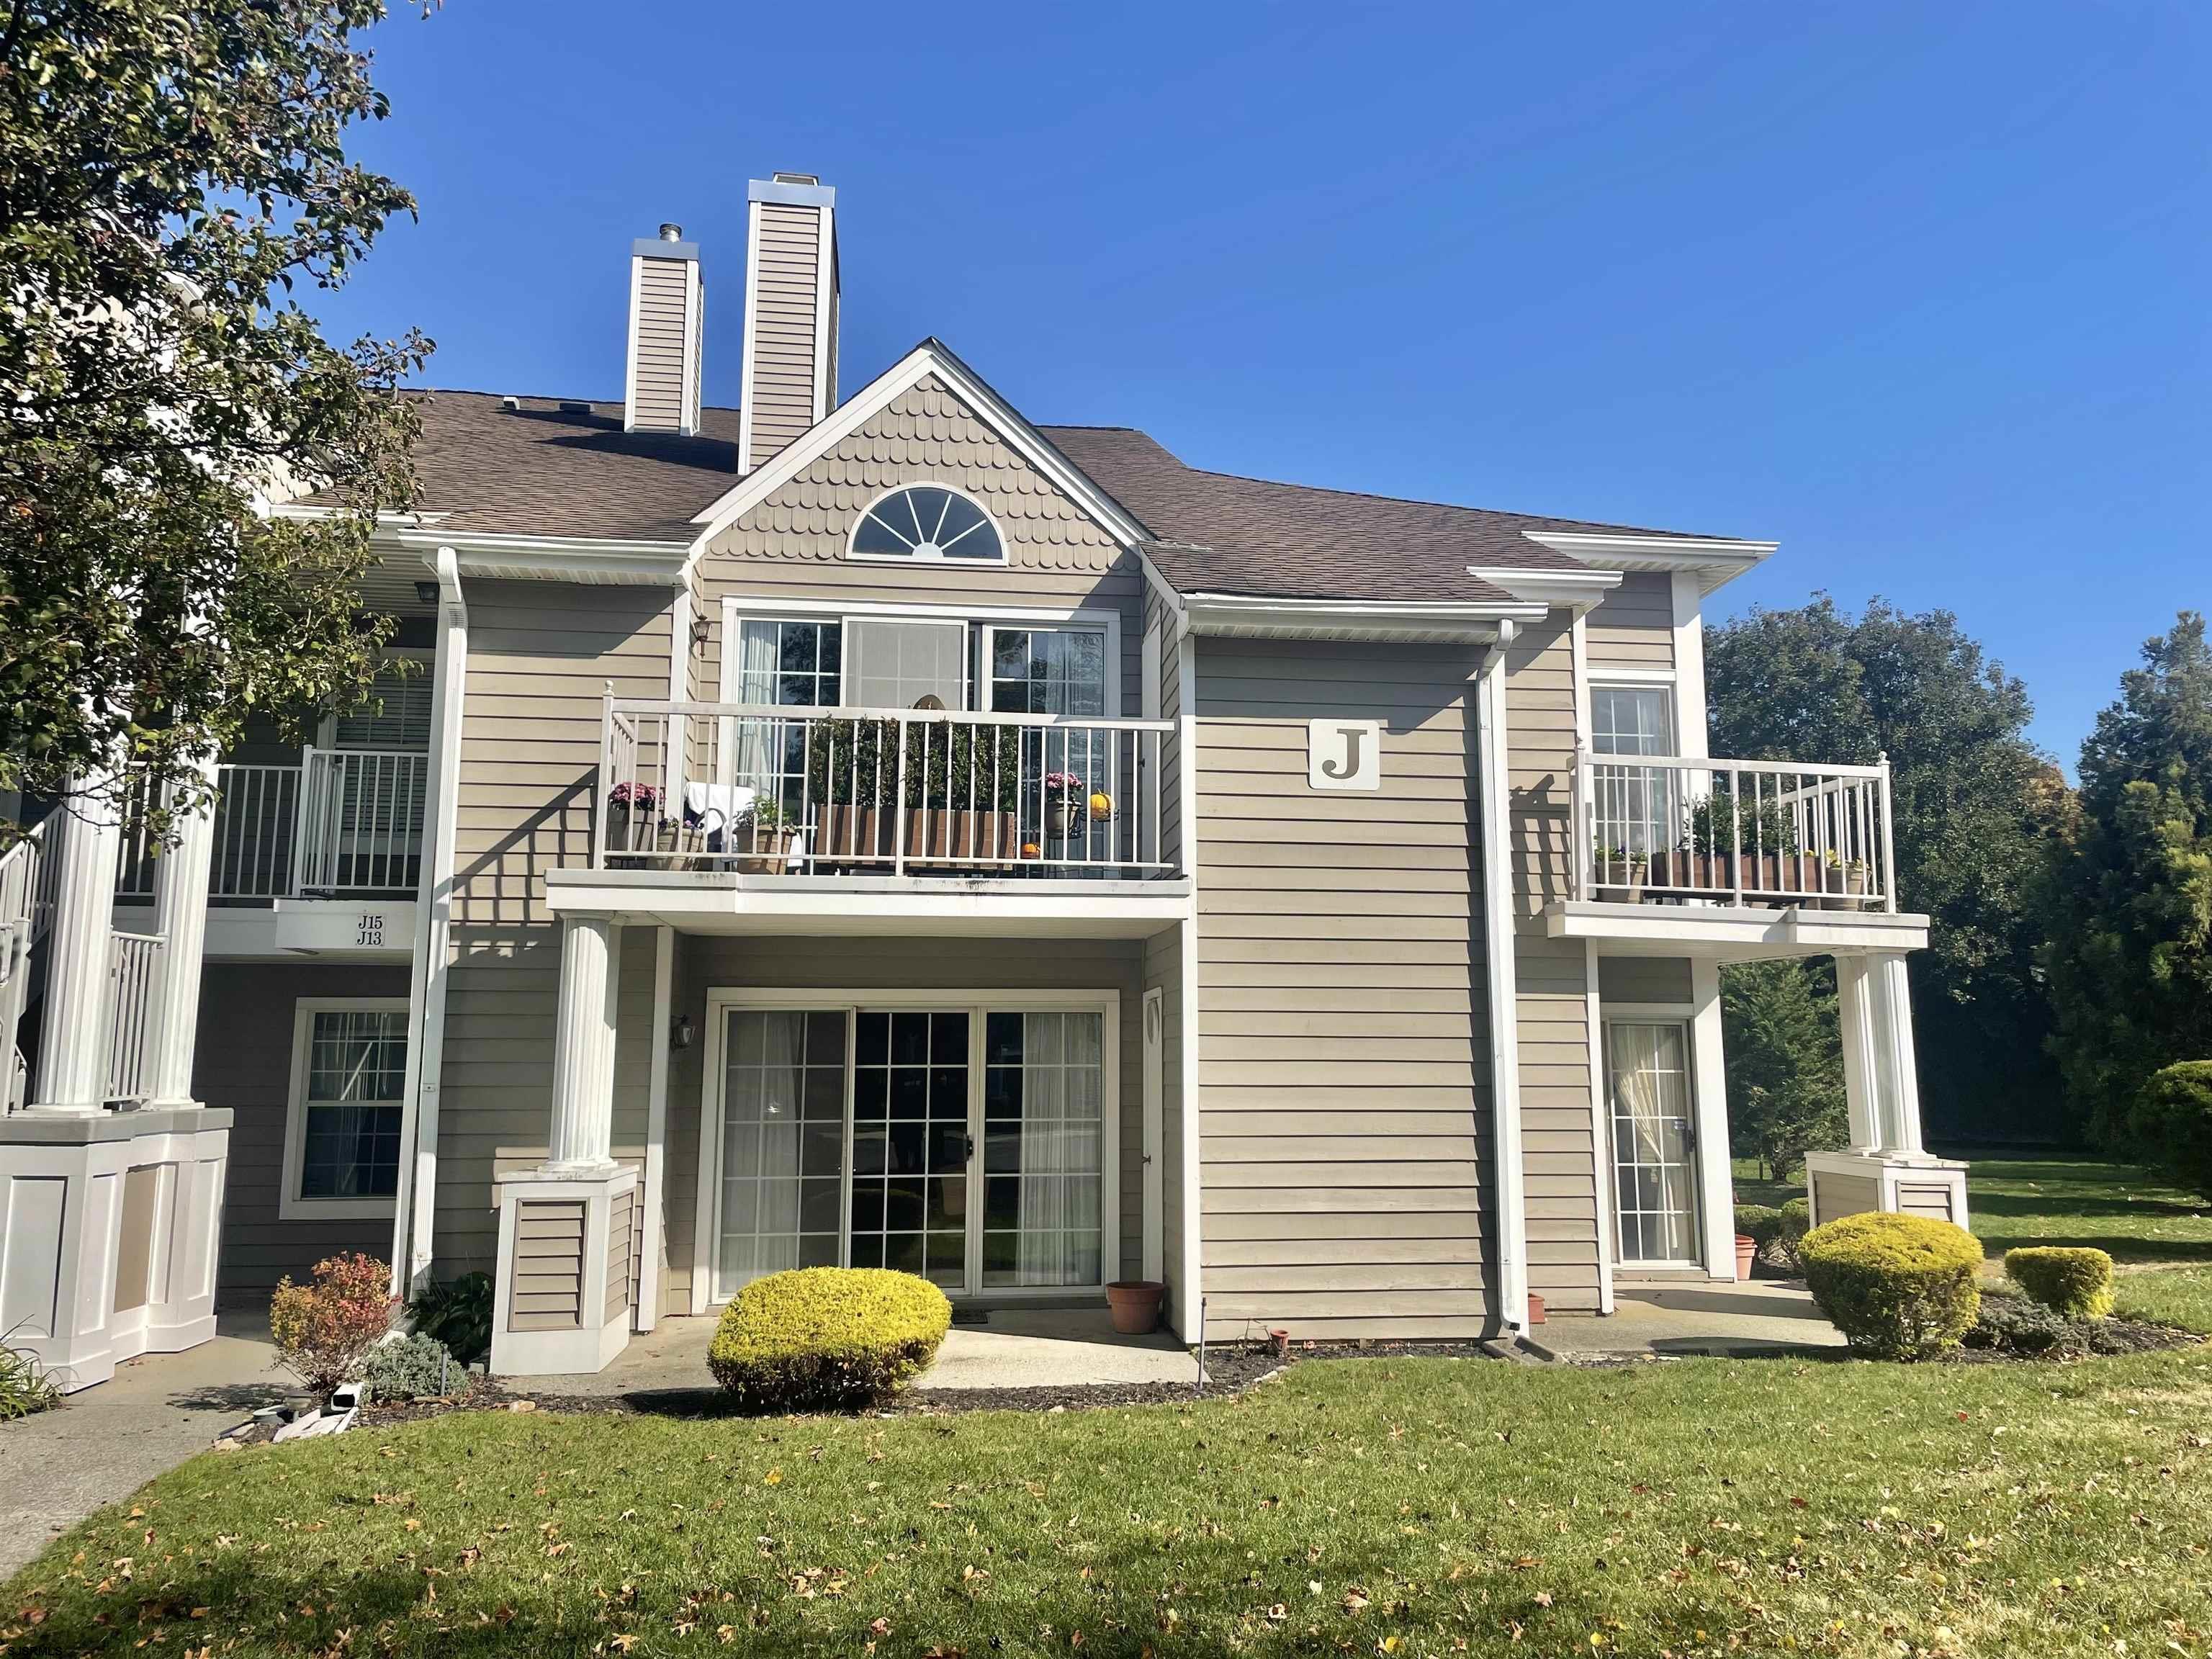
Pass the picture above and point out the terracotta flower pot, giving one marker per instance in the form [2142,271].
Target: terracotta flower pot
[1747,1252]
[1135,1305]
[1535,1309]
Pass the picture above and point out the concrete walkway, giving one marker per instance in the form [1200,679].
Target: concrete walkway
[1650,1321]
[105,1443]
[1044,1348]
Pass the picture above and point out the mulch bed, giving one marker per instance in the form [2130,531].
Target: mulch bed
[2090,1338]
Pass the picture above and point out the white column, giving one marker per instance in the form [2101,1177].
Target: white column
[582,1133]
[85,835]
[180,904]
[1855,1017]
[1708,1094]
[1898,1067]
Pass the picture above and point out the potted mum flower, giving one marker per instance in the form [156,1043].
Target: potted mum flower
[1063,795]
[633,817]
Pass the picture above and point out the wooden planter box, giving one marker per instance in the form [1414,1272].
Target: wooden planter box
[951,838]
[1773,879]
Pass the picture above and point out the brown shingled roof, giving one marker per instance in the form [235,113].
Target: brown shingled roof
[1227,534]
[555,468]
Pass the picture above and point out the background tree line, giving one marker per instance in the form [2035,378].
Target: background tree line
[2068,959]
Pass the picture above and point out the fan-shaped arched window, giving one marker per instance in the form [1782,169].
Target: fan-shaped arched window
[928,521]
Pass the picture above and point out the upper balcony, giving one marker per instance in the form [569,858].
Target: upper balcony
[1748,857]
[748,816]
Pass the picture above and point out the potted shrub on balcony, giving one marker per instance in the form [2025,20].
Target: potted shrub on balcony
[960,800]
[1843,882]
[1732,842]
[766,835]
[1621,875]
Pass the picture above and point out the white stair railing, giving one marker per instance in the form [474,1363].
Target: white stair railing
[131,961]
[361,818]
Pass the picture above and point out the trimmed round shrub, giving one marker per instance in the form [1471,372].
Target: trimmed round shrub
[2172,1122]
[2076,1284]
[1896,1286]
[826,1337]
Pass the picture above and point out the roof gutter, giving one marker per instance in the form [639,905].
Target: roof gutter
[1354,619]
[1493,804]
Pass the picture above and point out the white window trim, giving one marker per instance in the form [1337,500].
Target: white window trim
[738,608]
[1682,1017]
[290,1205]
[1104,1002]
[1610,679]
[918,557]
[987,649]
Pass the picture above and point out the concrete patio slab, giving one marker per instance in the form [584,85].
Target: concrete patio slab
[1060,1347]
[103,1444]
[1686,1318]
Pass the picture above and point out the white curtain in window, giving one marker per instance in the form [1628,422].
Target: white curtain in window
[1062,1113]
[1650,1118]
[756,685]
[761,1115]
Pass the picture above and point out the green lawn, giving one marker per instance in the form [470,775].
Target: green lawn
[1362,1506]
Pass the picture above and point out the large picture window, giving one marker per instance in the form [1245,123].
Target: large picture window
[341,1148]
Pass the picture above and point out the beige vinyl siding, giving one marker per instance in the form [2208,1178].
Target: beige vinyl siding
[662,295]
[622,1238]
[541,656]
[497,1085]
[1344,1077]
[781,393]
[837,965]
[547,1278]
[792,545]
[243,1061]
[1633,626]
[1559,1149]
[1645,978]
[1162,967]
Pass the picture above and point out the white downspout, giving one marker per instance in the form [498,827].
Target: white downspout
[1193,1187]
[416,1209]
[1497,915]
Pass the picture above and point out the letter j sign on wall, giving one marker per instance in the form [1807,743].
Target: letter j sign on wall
[1343,754]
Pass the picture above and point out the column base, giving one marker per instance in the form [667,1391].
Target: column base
[112,1219]
[1848,1183]
[564,1301]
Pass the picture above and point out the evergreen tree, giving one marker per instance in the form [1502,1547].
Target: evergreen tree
[1976,810]
[1785,1064]
[2129,955]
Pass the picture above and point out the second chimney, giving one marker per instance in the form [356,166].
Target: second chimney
[667,303]
[791,314]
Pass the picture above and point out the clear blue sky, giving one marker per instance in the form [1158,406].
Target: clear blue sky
[1920,292]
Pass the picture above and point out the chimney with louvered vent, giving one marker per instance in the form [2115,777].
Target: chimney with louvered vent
[667,305]
[791,314]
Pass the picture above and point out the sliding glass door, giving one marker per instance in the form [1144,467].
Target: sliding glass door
[971,1145]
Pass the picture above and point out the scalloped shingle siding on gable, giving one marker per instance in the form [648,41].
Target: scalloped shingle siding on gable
[793,542]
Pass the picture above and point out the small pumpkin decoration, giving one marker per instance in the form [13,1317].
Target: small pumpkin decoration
[1102,806]
[1031,850]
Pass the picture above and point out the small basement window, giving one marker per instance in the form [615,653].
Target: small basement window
[928,521]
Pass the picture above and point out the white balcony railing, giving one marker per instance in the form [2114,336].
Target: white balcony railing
[341,821]
[827,791]
[131,960]
[1663,829]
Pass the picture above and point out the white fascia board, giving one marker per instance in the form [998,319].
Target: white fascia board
[1715,559]
[1579,589]
[872,399]
[1353,619]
